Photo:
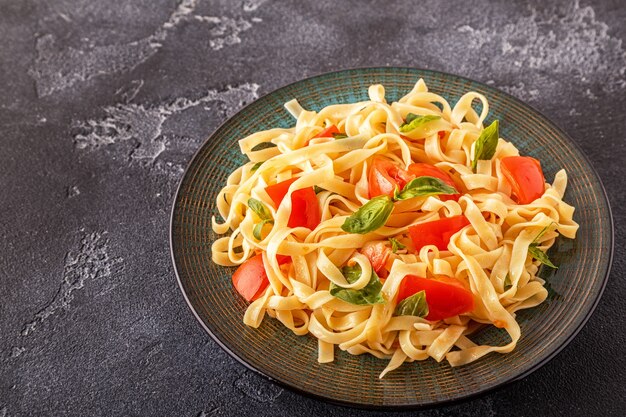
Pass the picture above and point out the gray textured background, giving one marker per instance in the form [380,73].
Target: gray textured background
[104,102]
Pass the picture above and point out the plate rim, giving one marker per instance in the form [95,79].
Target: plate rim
[396,407]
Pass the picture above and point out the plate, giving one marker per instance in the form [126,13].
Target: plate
[290,360]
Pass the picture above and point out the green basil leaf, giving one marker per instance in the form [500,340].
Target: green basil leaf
[370,216]
[340,135]
[540,255]
[486,144]
[414,305]
[262,145]
[396,245]
[414,121]
[256,166]
[351,273]
[318,189]
[410,117]
[368,295]
[260,209]
[507,282]
[258,228]
[424,186]
[541,233]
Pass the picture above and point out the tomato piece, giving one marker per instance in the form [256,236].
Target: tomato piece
[250,279]
[328,132]
[444,298]
[305,208]
[437,232]
[279,190]
[525,176]
[283,259]
[377,253]
[384,177]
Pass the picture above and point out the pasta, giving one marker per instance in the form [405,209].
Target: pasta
[341,250]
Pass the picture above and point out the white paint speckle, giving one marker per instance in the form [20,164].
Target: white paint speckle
[72,191]
[16,351]
[590,94]
[89,261]
[128,121]
[252,5]
[544,52]
[58,68]
[184,9]
[521,91]
[128,92]
[225,31]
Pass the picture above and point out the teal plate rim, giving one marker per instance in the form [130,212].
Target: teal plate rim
[409,406]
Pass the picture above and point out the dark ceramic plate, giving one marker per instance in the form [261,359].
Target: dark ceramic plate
[273,351]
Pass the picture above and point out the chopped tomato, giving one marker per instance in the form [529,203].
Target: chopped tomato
[384,177]
[283,259]
[250,279]
[279,190]
[525,176]
[437,232]
[377,253]
[427,170]
[444,298]
[328,132]
[305,208]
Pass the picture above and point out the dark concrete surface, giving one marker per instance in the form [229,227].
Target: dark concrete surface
[103,103]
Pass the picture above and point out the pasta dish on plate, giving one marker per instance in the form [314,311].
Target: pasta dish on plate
[392,229]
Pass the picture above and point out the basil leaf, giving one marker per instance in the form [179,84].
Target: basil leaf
[262,145]
[259,208]
[340,135]
[256,166]
[258,228]
[540,255]
[370,216]
[410,117]
[414,305]
[414,121]
[318,189]
[351,273]
[541,233]
[507,282]
[370,294]
[396,245]
[424,186]
[486,144]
